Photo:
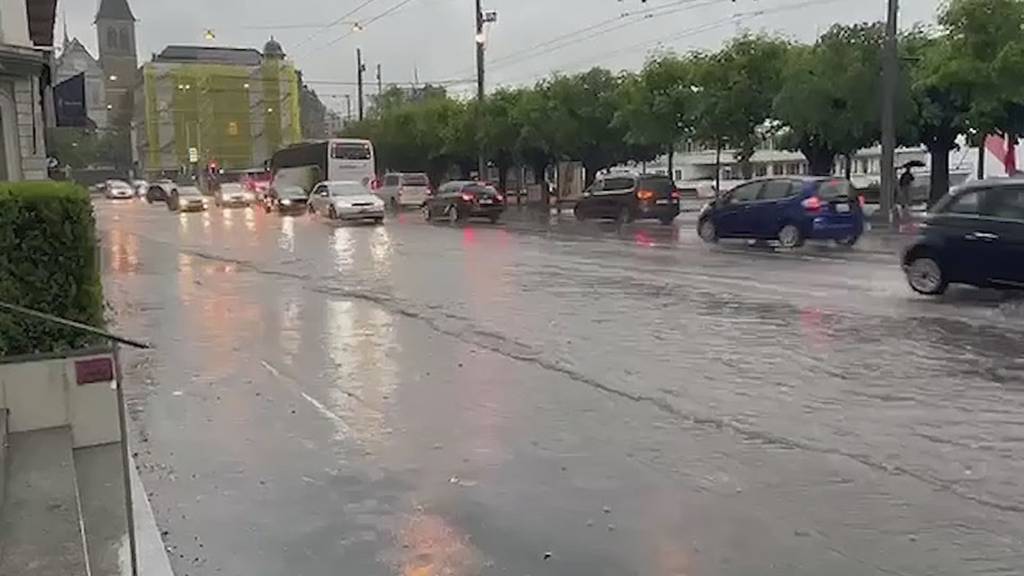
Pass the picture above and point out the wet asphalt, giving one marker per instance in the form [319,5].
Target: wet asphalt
[545,397]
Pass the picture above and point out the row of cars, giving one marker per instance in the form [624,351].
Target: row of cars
[974,235]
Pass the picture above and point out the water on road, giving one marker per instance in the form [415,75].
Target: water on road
[549,397]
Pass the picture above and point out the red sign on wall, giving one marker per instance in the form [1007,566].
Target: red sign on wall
[94,370]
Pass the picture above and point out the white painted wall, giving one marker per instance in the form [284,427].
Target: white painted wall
[14,23]
[44,394]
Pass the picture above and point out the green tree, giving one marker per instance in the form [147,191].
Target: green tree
[580,113]
[656,107]
[501,131]
[736,87]
[985,61]
[828,102]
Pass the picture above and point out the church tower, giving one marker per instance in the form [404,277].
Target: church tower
[115,27]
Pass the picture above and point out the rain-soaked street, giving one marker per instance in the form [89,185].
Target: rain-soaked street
[539,398]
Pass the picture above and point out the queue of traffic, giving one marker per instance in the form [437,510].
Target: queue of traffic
[973,236]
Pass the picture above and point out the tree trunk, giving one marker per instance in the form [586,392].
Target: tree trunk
[502,165]
[847,166]
[939,182]
[671,163]
[718,167]
[981,158]
[820,160]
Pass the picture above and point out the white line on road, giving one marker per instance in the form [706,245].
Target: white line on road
[343,429]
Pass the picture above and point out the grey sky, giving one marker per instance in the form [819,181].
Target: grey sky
[436,37]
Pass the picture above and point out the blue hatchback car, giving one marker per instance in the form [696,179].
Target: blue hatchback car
[790,210]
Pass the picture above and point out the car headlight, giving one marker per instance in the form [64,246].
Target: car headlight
[286,202]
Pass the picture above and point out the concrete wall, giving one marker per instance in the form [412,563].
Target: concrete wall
[44,394]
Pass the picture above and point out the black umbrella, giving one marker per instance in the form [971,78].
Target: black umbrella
[912,164]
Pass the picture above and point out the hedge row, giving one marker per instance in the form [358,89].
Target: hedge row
[49,262]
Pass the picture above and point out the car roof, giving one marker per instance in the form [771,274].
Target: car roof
[990,183]
[341,183]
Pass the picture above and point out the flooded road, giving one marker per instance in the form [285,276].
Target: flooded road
[548,397]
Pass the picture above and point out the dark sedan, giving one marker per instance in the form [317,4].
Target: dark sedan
[456,201]
[286,200]
[975,235]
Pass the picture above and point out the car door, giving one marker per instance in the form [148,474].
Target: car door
[1001,230]
[616,193]
[731,214]
[320,197]
[764,215]
[965,238]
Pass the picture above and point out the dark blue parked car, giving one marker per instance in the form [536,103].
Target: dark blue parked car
[788,209]
[975,235]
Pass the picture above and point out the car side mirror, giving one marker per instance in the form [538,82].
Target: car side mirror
[323,194]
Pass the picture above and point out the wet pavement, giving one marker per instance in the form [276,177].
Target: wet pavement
[550,397]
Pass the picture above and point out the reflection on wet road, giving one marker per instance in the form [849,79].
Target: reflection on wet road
[548,397]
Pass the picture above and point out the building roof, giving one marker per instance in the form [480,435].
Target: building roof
[114,10]
[41,16]
[273,49]
[209,54]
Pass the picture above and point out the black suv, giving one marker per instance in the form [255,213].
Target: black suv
[975,235]
[628,197]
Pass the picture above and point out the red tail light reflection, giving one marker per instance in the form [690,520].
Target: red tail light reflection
[812,204]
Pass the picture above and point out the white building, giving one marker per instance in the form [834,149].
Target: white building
[26,43]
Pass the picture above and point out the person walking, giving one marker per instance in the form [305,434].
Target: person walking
[906,182]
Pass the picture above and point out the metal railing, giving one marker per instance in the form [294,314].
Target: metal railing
[115,341]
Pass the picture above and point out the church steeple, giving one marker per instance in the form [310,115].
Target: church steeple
[114,10]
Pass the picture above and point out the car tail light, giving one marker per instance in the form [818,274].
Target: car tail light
[812,204]
[375,184]
[645,194]
[676,195]
[861,200]
[499,198]
[468,197]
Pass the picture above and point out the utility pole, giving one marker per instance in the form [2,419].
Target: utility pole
[480,39]
[360,69]
[890,72]
[380,82]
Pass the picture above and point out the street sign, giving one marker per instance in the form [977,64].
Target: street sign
[193,155]
[490,16]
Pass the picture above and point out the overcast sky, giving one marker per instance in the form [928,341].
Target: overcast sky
[436,37]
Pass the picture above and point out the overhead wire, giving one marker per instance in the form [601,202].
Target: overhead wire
[363,25]
[700,29]
[334,22]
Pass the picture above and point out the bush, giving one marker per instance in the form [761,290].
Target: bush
[48,262]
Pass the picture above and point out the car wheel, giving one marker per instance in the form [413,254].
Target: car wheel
[378,221]
[707,231]
[625,216]
[848,241]
[790,236]
[924,274]
[332,213]
[494,219]
[426,213]
[578,214]
[453,214]
[666,221]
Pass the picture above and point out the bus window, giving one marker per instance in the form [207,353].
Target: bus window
[350,151]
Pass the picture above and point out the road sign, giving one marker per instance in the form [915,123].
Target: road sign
[193,155]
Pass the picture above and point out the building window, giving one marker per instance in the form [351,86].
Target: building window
[679,174]
[124,40]
[112,38]
[760,170]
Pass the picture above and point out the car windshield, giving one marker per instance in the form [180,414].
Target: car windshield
[188,191]
[415,180]
[231,187]
[292,192]
[350,151]
[834,189]
[348,190]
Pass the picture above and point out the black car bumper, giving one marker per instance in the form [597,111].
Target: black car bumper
[653,210]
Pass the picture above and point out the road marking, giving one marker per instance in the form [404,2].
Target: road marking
[343,428]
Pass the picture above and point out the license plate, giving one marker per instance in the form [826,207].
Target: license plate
[486,201]
[842,208]
[662,202]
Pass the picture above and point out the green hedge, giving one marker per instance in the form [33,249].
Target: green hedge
[49,262]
